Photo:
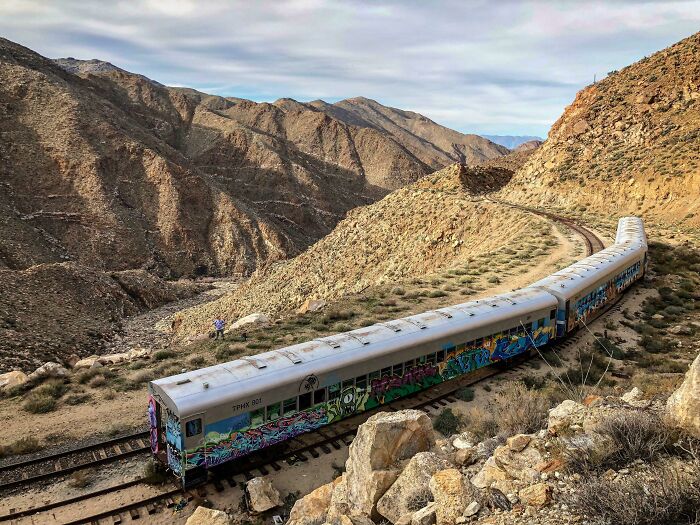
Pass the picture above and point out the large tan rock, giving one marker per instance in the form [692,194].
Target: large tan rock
[312,509]
[48,370]
[489,474]
[684,404]
[411,490]
[205,516]
[564,415]
[263,496]
[451,494]
[383,441]
[12,379]
[339,500]
[252,319]
[537,495]
[519,465]
[311,305]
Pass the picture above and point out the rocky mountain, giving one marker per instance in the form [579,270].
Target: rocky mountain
[435,145]
[627,144]
[511,141]
[431,224]
[95,66]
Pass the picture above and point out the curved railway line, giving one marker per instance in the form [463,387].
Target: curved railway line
[299,449]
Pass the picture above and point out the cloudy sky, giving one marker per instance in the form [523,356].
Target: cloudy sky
[491,66]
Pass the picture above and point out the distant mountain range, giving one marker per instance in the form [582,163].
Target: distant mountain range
[511,141]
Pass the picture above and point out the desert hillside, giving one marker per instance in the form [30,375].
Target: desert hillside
[628,144]
[422,228]
[433,144]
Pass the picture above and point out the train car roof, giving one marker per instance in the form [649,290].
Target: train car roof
[192,392]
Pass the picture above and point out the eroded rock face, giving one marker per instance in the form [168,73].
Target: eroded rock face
[537,495]
[12,379]
[381,443]
[47,370]
[564,415]
[313,508]
[451,493]
[411,486]
[252,319]
[205,516]
[263,496]
[684,404]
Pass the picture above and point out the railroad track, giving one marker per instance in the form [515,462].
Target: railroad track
[593,242]
[66,462]
[299,449]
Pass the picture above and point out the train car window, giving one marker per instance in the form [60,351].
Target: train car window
[361,382]
[273,412]
[397,370]
[305,401]
[257,417]
[542,322]
[289,406]
[552,314]
[194,427]
[386,372]
[374,375]
[348,383]
[479,342]
[333,392]
[409,364]
[422,359]
[319,396]
[440,356]
[432,358]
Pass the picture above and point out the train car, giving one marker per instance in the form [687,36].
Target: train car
[585,287]
[203,418]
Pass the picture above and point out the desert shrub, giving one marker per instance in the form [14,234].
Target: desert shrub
[97,381]
[142,376]
[109,394]
[520,410]
[590,369]
[342,327]
[388,302]
[37,403]
[25,445]
[136,365]
[635,435]
[671,497]
[494,279]
[85,376]
[197,360]
[77,399]
[480,422]
[264,345]
[227,352]
[160,355]
[609,347]
[398,291]
[154,473]
[81,479]
[465,394]
[653,345]
[447,422]
[437,293]
[338,315]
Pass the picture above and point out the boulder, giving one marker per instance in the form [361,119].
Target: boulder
[465,456]
[537,495]
[311,305]
[684,404]
[339,500]
[48,370]
[71,360]
[411,486]
[489,474]
[205,516]
[472,509]
[263,496]
[519,465]
[451,493]
[381,443]
[518,442]
[564,415]
[12,379]
[256,318]
[425,516]
[634,398]
[313,508]
[112,359]
[138,353]
[465,440]
[355,519]
[86,362]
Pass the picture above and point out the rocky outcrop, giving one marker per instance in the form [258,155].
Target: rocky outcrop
[262,495]
[410,491]
[684,404]
[252,319]
[12,379]
[312,509]
[206,516]
[451,493]
[373,465]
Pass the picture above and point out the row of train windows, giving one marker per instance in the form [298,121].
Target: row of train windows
[305,401]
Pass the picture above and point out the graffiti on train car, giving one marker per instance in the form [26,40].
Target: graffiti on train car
[388,388]
[153,423]
[173,438]
[588,305]
[351,400]
[242,442]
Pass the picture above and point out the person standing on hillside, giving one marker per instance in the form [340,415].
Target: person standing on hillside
[219,324]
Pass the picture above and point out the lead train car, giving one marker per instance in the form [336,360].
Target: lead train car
[206,417]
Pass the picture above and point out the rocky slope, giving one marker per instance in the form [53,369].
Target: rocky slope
[512,141]
[419,229]
[52,311]
[433,144]
[627,144]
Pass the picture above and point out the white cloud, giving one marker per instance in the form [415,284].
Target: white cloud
[490,67]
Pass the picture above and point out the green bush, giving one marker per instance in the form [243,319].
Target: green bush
[77,399]
[160,355]
[465,394]
[37,403]
[447,423]
[437,293]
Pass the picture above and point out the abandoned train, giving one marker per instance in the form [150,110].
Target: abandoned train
[207,417]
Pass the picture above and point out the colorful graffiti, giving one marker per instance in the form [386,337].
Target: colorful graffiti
[153,423]
[174,459]
[173,438]
[232,438]
[219,449]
